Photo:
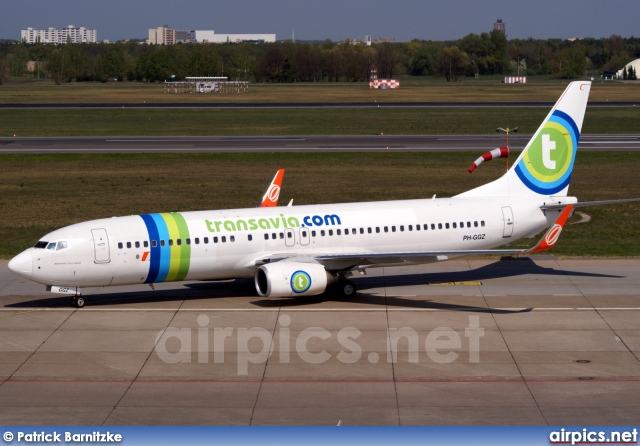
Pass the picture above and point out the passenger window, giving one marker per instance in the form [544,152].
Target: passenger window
[206,240]
[361,230]
[468,224]
[281,235]
[410,227]
[446,225]
[154,243]
[346,231]
[289,234]
[439,225]
[461,224]
[417,228]
[146,243]
[188,241]
[304,233]
[266,236]
[330,231]
[393,229]
[386,229]
[215,240]
[454,225]
[170,242]
[137,245]
[377,229]
[475,224]
[322,232]
[197,240]
[482,223]
[232,238]
[128,245]
[250,237]
[313,233]
[179,241]
[120,245]
[369,230]
[224,239]
[161,242]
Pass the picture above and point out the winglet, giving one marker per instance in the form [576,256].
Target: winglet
[270,198]
[551,237]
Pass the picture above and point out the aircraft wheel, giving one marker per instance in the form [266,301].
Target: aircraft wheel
[347,289]
[77,301]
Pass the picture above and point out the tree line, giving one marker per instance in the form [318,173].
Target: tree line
[346,61]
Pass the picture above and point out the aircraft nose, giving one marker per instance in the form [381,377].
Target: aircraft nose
[22,264]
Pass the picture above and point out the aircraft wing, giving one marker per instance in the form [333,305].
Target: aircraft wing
[347,261]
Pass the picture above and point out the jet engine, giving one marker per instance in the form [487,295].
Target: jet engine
[286,279]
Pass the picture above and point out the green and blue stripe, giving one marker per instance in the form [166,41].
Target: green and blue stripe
[167,263]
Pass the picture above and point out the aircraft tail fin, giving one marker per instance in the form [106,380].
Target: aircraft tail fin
[545,165]
[270,198]
[553,233]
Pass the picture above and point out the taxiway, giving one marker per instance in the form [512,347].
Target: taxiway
[363,143]
[559,344]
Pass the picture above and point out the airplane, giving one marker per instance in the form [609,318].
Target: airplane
[298,251]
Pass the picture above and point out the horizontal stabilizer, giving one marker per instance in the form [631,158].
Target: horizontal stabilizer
[549,207]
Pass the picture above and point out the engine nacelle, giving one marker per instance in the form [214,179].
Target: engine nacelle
[286,279]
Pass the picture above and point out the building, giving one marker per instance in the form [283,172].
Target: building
[209,36]
[635,64]
[165,36]
[500,26]
[379,40]
[183,36]
[381,84]
[68,34]
[162,36]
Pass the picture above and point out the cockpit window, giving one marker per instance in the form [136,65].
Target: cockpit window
[41,245]
[52,246]
[61,245]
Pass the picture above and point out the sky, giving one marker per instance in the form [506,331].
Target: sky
[402,20]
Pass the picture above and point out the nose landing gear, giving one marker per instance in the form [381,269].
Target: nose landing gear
[77,301]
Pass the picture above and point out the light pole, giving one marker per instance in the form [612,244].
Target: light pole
[507,130]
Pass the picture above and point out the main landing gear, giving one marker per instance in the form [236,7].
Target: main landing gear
[346,289]
[77,301]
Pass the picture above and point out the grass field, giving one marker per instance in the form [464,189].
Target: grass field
[39,193]
[413,89]
[275,122]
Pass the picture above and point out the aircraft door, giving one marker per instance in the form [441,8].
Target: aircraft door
[507,213]
[289,237]
[304,236]
[101,246]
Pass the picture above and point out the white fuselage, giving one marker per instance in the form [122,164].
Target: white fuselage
[223,244]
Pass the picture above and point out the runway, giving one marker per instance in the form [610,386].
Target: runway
[540,341]
[365,143]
